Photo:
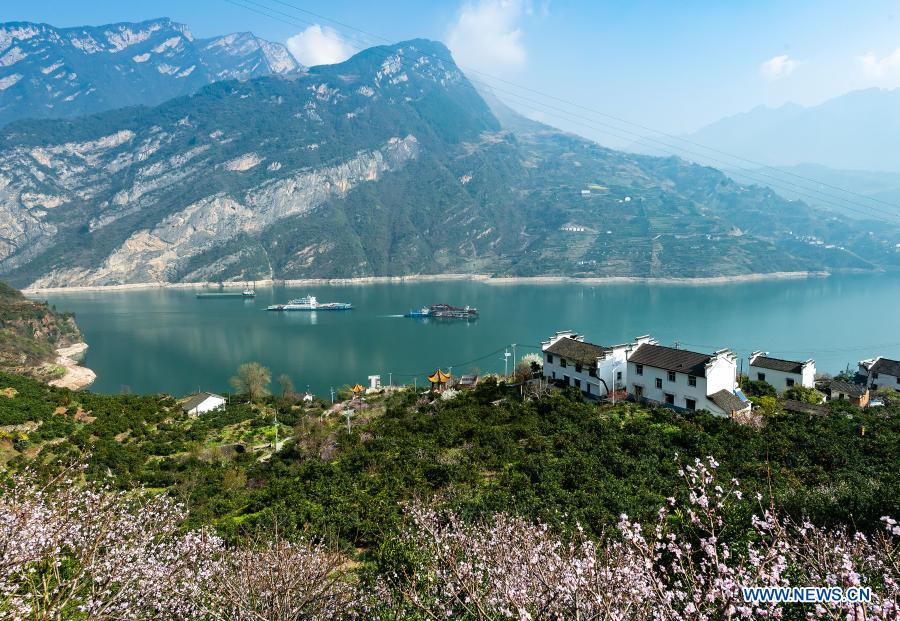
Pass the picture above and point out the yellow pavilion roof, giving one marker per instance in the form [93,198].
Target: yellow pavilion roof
[357,388]
[439,377]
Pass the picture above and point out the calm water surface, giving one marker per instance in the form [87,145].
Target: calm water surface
[167,340]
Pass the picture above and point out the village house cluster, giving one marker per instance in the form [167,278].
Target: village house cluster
[643,370]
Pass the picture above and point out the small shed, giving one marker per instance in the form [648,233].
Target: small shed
[203,402]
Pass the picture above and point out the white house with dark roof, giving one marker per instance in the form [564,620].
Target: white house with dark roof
[203,402]
[596,370]
[881,373]
[685,380]
[781,374]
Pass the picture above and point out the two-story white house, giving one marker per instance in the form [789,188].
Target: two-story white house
[781,374]
[596,370]
[881,373]
[685,380]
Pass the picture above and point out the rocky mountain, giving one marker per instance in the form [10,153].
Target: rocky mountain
[856,131]
[387,164]
[48,72]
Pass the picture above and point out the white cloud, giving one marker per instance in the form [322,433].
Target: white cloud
[778,67]
[319,45]
[487,36]
[880,69]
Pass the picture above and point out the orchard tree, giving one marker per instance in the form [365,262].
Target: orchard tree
[252,379]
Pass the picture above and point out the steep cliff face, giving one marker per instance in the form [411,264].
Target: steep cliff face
[387,164]
[48,72]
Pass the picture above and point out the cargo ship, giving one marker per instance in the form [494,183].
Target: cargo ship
[444,311]
[310,303]
[246,293]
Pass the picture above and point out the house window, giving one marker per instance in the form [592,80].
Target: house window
[562,362]
[550,358]
[692,380]
[874,375]
[761,377]
[589,388]
[790,382]
[638,391]
[670,399]
[619,377]
[592,372]
[554,375]
[578,367]
[659,382]
[690,404]
[577,383]
[898,380]
[566,380]
[671,376]
[639,369]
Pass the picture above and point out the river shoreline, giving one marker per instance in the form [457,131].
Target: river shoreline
[76,377]
[485,278]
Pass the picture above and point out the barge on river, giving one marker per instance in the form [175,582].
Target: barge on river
[444,311]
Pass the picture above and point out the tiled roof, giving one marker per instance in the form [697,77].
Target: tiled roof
[196,400]
[670,359]
[729,402]
[854,390]
[886,366]
[777,364]
[577,351]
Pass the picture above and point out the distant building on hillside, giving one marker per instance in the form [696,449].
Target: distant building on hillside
[685,380]
[782,374]
[596,370]
[203,402]
[881,373]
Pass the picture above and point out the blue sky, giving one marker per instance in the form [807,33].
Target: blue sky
[673,66]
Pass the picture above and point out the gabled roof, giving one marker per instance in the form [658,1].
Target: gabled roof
[439,377]
[777,364]
[578,351]
[197,399]
[671,359]
[886,366]
[854,390]
[729,402]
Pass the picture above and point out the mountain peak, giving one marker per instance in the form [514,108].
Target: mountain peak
[49,72]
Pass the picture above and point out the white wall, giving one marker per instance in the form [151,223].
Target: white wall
[884,381]
[778,379]
[680,387]
[209,404]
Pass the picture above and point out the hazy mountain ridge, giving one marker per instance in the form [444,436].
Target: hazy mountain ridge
[855,131]
[388,164]
[48,72]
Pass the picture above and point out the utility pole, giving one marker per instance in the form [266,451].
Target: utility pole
[506,356]
[514,357]
[416,382]
[275,450]
[347,413]
[390,379]
[332,394]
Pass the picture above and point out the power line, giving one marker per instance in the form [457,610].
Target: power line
[470,70]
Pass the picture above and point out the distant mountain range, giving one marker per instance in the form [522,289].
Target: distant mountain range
[856,131]
[388,164]
[48,72]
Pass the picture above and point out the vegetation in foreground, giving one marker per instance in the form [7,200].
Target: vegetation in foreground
[479,461]
[72,552]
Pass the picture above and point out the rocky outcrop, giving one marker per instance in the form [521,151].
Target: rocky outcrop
[156,254]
